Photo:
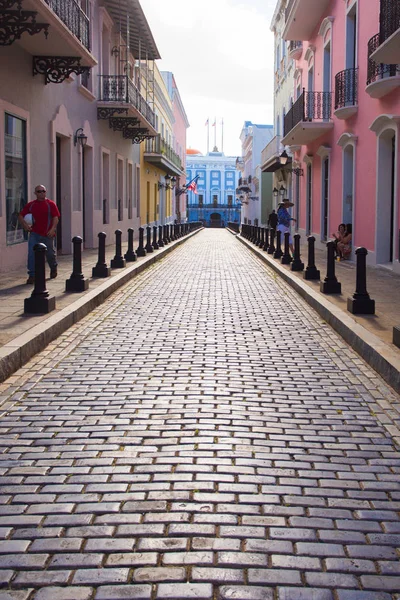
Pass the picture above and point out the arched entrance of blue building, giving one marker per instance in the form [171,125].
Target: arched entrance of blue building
[216,220]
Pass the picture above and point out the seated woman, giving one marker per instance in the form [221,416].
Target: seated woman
[338,236]
[344,246]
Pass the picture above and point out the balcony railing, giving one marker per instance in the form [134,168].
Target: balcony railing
[309,106]
[346,88]
[389,19]
[288,9]
[119,88]
[272,149]
[377,71]
[295,45]
[157,145]
[73,17]
[213,206]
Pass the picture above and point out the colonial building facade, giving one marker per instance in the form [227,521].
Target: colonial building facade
[80,95]
[341,132]
[254,137]
[215,203]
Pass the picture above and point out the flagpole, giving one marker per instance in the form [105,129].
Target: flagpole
[208,135]
[222,135]
[215,132]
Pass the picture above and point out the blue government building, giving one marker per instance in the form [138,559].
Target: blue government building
[215,204]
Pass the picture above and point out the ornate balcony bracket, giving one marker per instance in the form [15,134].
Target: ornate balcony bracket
[122,123]
[14,23]
[137,134]
[108,113]
[57,69]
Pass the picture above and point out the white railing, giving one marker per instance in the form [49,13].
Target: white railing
[274,148]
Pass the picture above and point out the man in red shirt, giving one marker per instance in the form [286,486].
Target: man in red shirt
[45,216]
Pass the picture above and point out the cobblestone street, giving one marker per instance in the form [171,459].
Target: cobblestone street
[201,435]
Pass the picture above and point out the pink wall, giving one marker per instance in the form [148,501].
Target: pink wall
[364,194]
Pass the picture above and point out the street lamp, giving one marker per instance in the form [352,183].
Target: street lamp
[283,159]
[275,192]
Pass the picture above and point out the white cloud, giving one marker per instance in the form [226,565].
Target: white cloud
[221,53]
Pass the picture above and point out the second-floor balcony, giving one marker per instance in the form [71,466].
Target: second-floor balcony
[346,93]
[160,154]
[295,49]
[270,155]
[381,78]
[308,119]
[68,32]
[119,93]
[302,17]
[388,49]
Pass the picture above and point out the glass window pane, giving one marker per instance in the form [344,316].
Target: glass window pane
[15,170]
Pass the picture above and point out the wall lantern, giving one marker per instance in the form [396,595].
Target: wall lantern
[80,137]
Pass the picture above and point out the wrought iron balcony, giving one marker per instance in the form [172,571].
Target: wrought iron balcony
[346,93]
[295,49]
[309,118]
[120,90]
[381,78]
[388,50]
[158,152]
[74,18]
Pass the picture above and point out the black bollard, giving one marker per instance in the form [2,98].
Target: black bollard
[262,238]
[171,233]
[160,241]
[140,251]
[278,251]
[39,302]
[165,237]
[149,248]
[311,271]
[118,262]
[266,240]
[297,264]
[286,258]
[130,255]
[271,247]
[101,269]
[361,303]
[330,285]
[77,281]
[154,242]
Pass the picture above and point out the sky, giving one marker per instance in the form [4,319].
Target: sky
[221,53]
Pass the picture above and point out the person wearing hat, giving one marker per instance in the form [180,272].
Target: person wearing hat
[284,219]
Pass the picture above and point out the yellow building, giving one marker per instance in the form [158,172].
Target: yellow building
[160,165]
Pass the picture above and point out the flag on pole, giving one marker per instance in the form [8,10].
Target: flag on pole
[215,122]
[207,122]
[192,185]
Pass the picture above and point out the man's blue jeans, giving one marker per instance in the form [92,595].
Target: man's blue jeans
[35,238]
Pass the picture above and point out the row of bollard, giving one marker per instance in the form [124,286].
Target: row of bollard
[156,237]
[270,240]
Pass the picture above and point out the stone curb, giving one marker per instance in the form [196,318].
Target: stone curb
[379,355]
[18,351]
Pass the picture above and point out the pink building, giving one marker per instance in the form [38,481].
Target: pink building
[342,128]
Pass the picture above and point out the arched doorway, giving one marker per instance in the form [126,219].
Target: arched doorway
[386,233]
[215,220]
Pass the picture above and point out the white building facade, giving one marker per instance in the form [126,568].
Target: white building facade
[254,138]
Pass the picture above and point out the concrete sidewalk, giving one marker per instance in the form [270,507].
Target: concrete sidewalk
[22,336]
[369,335]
